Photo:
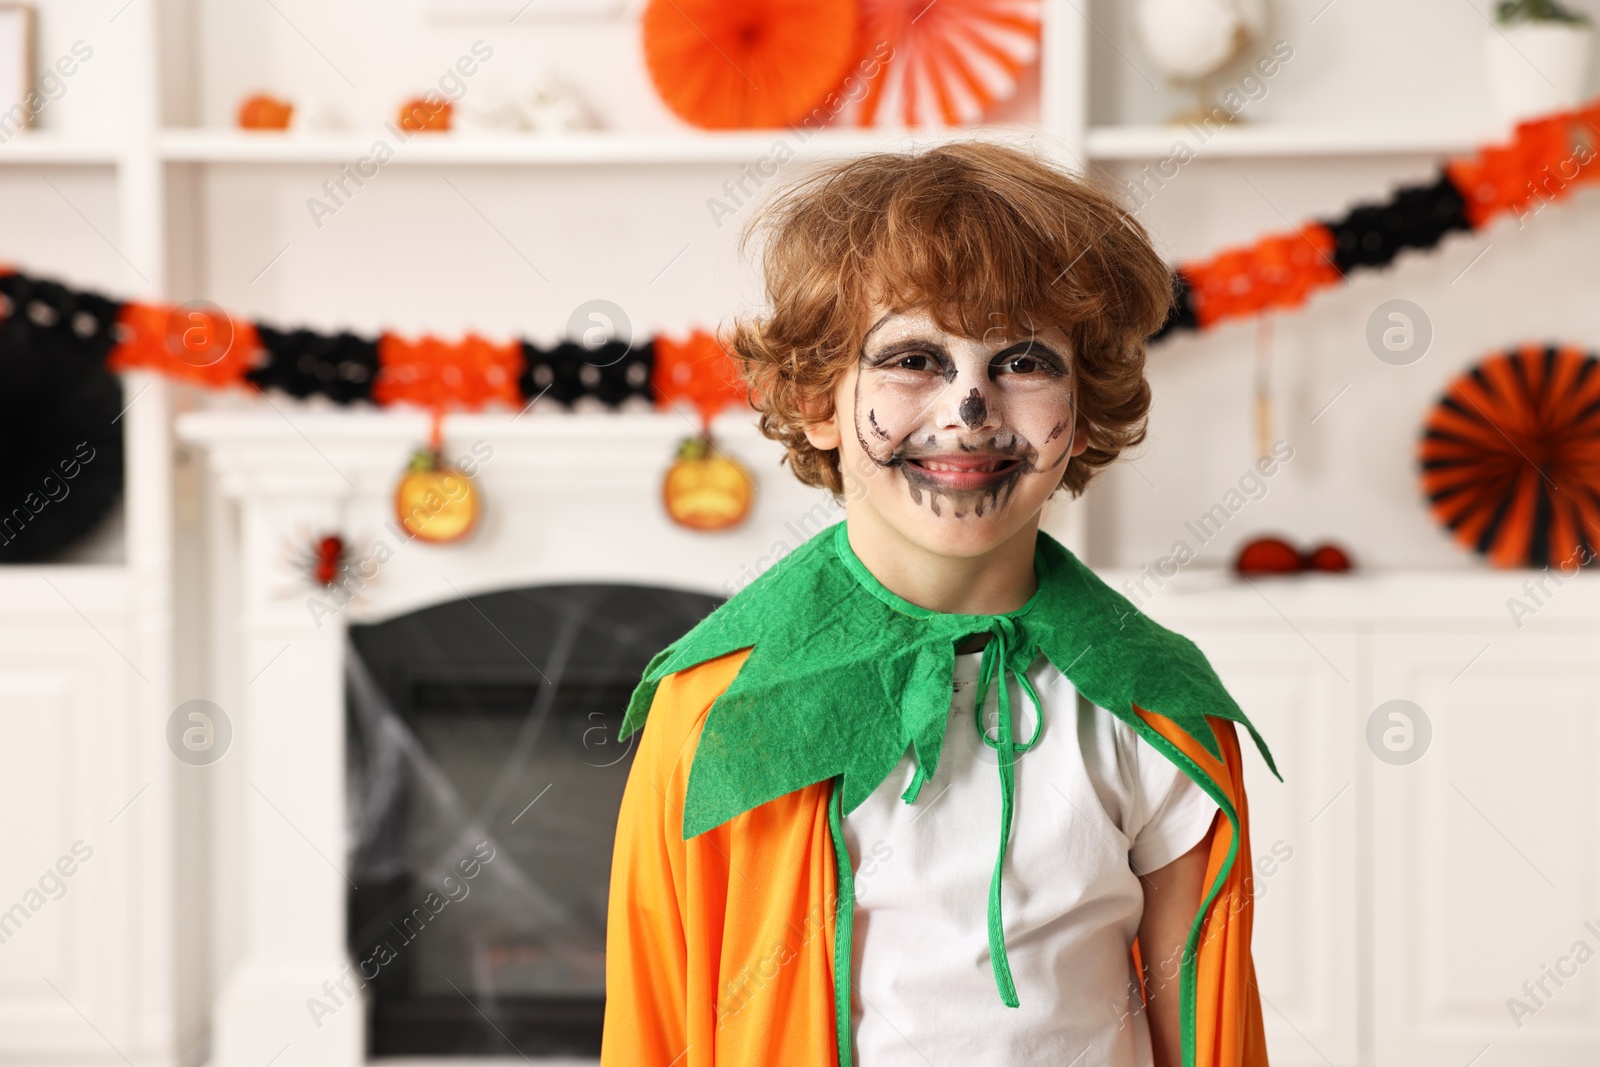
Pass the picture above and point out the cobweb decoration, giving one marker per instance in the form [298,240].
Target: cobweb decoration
[484,732]
[953,60]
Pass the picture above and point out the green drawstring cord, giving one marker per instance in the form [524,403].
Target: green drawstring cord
[844,921]
[1004,646]
[997,655]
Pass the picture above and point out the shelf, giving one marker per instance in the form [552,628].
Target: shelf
[604,147]
[1263,140]
[599,147]
[33,147]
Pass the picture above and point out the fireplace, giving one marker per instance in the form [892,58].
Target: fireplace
[485,776]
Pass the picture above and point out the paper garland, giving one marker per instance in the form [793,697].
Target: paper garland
[215,351]
[1543,162]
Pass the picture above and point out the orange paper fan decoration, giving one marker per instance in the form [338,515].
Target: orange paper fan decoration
[1510,458]
[951,61]
[724,64]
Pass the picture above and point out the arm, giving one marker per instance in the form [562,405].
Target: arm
[1172,898]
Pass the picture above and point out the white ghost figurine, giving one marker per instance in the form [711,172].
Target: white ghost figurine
[315,115]
[550,105]
[1192,39]
[489,109]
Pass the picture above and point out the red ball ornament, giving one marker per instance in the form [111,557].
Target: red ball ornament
[1268,555]
[1328,557]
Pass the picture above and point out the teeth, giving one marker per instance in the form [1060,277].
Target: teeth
[986,468]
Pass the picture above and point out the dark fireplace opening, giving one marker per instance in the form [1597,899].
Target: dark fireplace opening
[484,781]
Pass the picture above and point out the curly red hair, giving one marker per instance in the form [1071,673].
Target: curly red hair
[982,235]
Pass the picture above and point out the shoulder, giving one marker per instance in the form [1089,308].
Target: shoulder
[682,700]
[793,587]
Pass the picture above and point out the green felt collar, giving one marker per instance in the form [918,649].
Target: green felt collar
[843,674]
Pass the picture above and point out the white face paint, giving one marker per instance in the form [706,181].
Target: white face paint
[968,426]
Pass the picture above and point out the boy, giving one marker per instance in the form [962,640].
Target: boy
[929,791]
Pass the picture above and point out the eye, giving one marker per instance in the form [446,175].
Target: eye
[1030,359]
[912,361]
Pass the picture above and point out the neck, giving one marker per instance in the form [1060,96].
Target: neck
[998,581]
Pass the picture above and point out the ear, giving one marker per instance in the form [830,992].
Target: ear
[1080,438]
[823,433]
[821,429]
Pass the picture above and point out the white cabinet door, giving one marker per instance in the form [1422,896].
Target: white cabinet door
[66,909]
[1299,688]
[1486,877]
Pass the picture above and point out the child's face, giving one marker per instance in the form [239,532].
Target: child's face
[954,442]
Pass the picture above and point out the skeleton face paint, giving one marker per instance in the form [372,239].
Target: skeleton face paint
[964,422]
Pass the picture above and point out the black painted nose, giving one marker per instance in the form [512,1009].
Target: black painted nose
[974,410]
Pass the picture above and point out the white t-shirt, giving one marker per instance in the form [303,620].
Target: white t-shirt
[1093,805]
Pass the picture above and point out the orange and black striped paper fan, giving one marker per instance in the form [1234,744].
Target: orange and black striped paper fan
[1510,457]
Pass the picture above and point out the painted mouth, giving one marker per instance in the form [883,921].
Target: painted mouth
[965,470]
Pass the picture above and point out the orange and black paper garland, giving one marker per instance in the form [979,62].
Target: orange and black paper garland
[203,347]
[61,348]
[1542,163]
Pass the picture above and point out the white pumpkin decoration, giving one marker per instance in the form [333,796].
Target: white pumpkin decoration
[1193,39]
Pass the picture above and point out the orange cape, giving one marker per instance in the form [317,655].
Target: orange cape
[720,949]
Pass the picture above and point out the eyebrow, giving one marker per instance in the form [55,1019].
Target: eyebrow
[1018,346]
[887,315]
[1026,346]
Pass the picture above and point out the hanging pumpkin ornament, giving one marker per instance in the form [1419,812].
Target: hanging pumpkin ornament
[434,500]
[706,489]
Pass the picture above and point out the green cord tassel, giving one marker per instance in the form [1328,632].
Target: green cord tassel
[997,657]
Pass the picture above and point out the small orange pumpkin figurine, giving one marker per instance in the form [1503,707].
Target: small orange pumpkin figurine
[435,501]
[419,114]
[263,112]
[705,489]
